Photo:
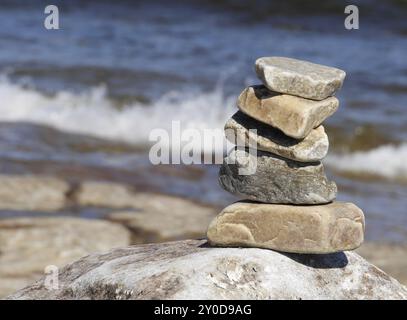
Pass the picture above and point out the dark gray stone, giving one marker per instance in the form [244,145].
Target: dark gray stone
[275,179]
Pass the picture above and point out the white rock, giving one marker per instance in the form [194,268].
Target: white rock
[192,270]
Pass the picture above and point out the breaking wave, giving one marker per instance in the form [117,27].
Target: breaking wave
[93,113]
[388,161]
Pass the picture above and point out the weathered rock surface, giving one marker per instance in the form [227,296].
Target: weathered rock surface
[275,180]
[299,78]
[192,270]
[163,218]
[28,245]
[295,116]
[390,257]
[28,192]
[313,147]
[328,228]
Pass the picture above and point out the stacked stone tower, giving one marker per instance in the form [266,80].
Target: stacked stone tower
[289,202]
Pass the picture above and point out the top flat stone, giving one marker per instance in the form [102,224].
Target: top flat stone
[299,78]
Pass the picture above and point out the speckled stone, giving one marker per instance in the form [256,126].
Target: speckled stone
[274,179]
[190,269]
[299,78]
[239,130]
[326,228]
[295,116]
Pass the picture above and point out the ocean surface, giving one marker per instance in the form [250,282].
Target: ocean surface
[80,102]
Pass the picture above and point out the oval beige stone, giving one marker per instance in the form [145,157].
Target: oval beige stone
[328,228]
[295,116]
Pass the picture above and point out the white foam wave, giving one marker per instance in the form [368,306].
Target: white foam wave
[93,113]
[389,161]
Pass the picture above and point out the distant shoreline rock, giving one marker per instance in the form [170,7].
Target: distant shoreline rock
[28,245]
[32,192]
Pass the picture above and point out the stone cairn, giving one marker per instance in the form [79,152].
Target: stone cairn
[290,203]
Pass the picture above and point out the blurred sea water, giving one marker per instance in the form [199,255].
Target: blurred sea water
[90,93]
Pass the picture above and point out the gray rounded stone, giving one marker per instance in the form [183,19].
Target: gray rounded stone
[272,179]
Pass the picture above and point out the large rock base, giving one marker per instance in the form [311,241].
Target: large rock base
[192,270]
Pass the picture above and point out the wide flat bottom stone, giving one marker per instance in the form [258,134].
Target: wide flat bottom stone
[328,228]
